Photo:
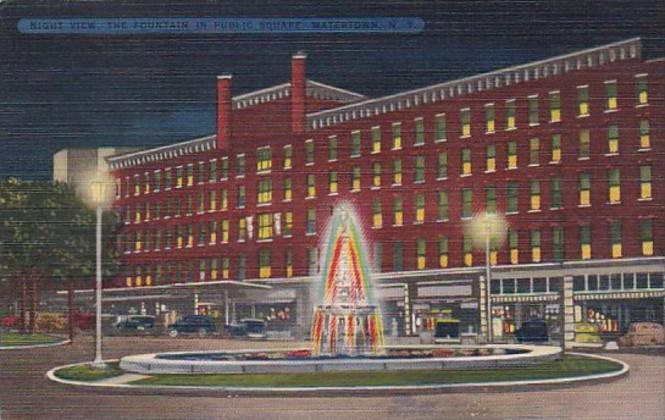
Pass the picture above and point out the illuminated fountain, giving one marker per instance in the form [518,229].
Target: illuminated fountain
[348,320]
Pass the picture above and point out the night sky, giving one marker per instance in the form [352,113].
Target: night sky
[61,91]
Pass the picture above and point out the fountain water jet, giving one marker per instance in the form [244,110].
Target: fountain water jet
[348,320]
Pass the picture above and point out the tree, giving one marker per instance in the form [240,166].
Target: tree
[47,237]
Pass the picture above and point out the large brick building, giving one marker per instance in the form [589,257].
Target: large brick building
[568,150]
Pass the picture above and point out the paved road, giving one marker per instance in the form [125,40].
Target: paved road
[25,393]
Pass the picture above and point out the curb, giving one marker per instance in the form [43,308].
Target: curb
[36,346]
[504,386]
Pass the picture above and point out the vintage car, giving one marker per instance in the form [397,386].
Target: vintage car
[643,334]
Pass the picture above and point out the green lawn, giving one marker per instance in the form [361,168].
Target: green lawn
[565,367]
[87,373]
[8,339]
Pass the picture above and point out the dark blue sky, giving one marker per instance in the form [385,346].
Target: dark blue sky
[72,91]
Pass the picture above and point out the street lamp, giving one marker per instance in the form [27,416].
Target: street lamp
[97,192]
[484,228]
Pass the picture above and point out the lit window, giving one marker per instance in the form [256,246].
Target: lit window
[611,95]
[213,269]
[212,200]
[467,202]
[146,183]
[555,106]
[490,118]
[585,189]
[613,139]
[240,199]
[420,169]
[397,172]
[226,266]
[355,179]
[582,101]
[494,251]
[377,216]
[644,132]
[557,196]
[490,200]
[641,90]
[240,165]
[138,242]
[442,172]
[178,177]
[263,159]
[311,222]
[202,234]
[376,139]
[264,264]
[397,135]
[157,181]
[421,254]
[614,184]
[242,229]
[535,246]
[288,189]
[512,155]
[189,204]
[443,252]
[376,174]
[440,127]
[512,198]
[467,250]
[585,144]
[533,110]
[201,202]
[443,205]
[288,224]
[398,211]
[167,179]
[332,182]
[264,192]
[212,228]
[556,148]
[223,199]
[288,257]
[646,236]
[419,125]
[332,148]
[355,143]
[288,156]
[309,152]
[534,151]
[557,243]
[137,214]
[190,236]
[190,175]
[535,195]
[510,114]
[201,175]
[465,121]
[615,238]
[490,158]
[265,225]
[513,246]
[645,182]
[311,186]
[585,242]
[224,169]
[466,161]
[420,208]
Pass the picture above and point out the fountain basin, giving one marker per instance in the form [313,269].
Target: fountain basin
[298,361]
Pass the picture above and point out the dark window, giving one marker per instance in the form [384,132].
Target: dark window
[578,283]
[656,280]
[398,263]
[604,282]
[615,280]
[555,284]
[592,282]
[629,281]
[523,285]
[642,280]
[539,285]
[495,287]
[508,286]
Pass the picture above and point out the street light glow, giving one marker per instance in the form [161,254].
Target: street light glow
[484,224]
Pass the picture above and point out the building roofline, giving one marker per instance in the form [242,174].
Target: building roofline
[553,66]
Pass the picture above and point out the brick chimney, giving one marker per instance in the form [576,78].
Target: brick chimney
[298,92]
[224,105]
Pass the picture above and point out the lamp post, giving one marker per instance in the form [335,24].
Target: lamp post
[97,191]
[488,277]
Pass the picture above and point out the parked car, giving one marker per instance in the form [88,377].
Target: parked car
[587,333]
[643,334]
[136,323]
[533,331]
[192,324]
[248,327]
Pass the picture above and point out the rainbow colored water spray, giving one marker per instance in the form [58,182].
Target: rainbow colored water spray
[348,321]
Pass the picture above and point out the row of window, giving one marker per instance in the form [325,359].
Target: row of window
[615,282]
[185,175]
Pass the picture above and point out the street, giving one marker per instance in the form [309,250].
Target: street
[25,393]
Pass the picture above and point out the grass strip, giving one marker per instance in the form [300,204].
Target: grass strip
[10,339]
[87,373]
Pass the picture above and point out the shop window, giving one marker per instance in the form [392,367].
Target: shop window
[332,182]
[355,179]
[377,215]
[614,186]
[644,133]
[611,95]
[613,139]
[288,156]
[398,256]
[465,122]
[490,158]
[467,250]
[510,115]
[263,159]
[467,202]
[490,200]
[421,258]
[533,110]
[265,226]
[440,131]
[288,189]
[398,211]
[355,144]
[557,194]
[534,151]
[585,242]
[397,135]
[420,208]
[376,175]
[311,222]
[442,168]
[512,199]
[535,246]
[641,90]
[419,126]
[534,190]
[645,182]
[615,238]
[556,148]
[490,119]
[264,264]
[443,252]
[240,165]
[646,236]
[555,106]
[443,206]
[332,148]
[512,155]
[582,101]
[375,134]
[584,189]
[420,169]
